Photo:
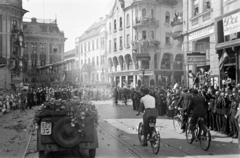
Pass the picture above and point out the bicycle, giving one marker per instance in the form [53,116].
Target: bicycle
[202,133]
[177,121]
[153,136]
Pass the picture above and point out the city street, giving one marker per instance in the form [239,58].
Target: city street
[117,137]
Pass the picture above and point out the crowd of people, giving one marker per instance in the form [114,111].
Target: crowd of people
[222,105]
[26,97]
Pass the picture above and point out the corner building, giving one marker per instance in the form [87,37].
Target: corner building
[141,48]
[11,14]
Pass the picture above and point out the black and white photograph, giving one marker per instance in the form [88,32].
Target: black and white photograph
[119,78]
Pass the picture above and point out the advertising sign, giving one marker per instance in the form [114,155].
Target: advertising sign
[196,58]
[200,33]
[231,24]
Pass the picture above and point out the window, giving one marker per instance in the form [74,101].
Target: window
[206,5]
[34,63]
[155,61]
[167,40]
[85,47]
[34,48]
[92,45]
[42,62]
[97,43]
[128,20]
[152,35]
[144,12]
[102,42]
[109,27]
[120,25]
[195,7]
[14,25]
[115,25]
[167,17]
[128,40]
[97,60]
[144,35]
[93,61]
[15,50]
[166,64]
[88,46]
[26,47]
[152,13]
[110,46]
[42,48]
[115,44]
[81,48]
[120,43]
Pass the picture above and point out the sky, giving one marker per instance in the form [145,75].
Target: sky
[73,16]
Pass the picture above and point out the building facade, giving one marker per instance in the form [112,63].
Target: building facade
[44,44]
[199,37]
[140,44]
[91,52]
[228,40]
[11,14]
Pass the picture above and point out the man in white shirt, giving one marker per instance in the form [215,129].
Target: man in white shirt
[150,110]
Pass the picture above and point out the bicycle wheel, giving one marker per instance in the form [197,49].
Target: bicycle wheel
[140,135]
[188,134]
[205,138]
[155,141]
[177,123]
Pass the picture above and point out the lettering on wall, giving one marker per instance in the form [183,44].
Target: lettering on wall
[231,24]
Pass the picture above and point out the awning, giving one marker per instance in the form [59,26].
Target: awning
[141,56]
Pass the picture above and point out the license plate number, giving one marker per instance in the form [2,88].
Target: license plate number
[151,125]
[46,128]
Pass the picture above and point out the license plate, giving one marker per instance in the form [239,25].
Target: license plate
[151,124]
[46,128]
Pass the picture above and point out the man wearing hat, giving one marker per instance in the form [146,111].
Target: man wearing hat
[198,110]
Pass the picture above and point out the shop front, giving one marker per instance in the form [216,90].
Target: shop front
[228,45]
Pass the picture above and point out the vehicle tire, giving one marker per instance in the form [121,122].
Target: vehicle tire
[177,123]
[188,134]
[41,154]
[140,135]
[155,141]
[205,138]
[66,135]
[92,153]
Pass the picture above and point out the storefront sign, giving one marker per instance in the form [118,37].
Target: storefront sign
[231,24]
[203,32]
[196,58]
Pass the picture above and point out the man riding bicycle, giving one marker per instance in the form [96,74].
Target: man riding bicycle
[198,110]
[148,102]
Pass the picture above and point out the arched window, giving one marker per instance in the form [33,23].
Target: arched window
[120,21]
[127,20]
[152,13]
[178,62]
[109,27]
[144,12]
[115,24]
[167,17]
[155,61]
[166,61]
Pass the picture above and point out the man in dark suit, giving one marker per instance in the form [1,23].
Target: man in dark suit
[196,105]
[183,103]
[218,108]
[211,110]
[233,111]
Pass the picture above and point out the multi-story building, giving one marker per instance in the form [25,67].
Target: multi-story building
[228,39]
[140,44]
[91,50]
[72,72]
[11,14]
[44,44]
[199,37]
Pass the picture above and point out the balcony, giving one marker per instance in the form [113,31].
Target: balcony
[145,22]
[145,44]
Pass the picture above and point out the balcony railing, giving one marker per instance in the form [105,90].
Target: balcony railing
[146,21]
